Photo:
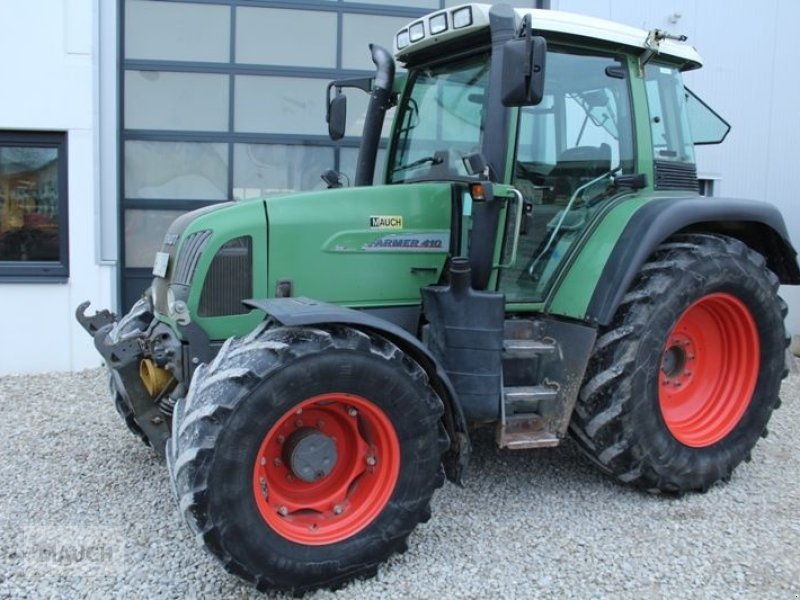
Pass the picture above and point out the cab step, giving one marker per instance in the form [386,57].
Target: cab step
[528,399]
[526,420]
[520,348]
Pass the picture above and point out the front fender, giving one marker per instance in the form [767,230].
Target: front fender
[303,312]
[757,224]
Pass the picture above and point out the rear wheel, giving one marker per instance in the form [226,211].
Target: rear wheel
[305,457]
[684,381]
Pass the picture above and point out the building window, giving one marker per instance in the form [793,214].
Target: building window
[33,206]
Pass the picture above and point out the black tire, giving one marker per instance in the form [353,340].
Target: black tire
[234,405]
[620,421]
[124,411]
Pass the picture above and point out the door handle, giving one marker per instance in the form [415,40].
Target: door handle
[517,225]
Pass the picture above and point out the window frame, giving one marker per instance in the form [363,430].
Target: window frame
[41,271]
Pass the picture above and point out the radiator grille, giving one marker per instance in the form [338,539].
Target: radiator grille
[229,280]
[190,254]
[675,176]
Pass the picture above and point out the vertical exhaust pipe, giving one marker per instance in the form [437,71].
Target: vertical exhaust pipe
[379,103]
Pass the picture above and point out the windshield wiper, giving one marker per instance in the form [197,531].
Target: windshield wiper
[434,160]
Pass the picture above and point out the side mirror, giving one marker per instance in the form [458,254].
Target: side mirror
[337,116]
[336,107]
[523,71]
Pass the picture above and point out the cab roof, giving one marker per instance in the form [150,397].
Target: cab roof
[407,41]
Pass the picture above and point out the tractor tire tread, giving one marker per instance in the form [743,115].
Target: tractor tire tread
[600,424]
[220,387]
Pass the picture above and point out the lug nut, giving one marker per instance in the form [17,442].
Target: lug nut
[277,462]
[337,510]
[352,412]
[283,511]
[298,423]
[371,461]
[263,461]
[281,439]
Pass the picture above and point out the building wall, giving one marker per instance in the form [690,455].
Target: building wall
[47,63]
[749,78]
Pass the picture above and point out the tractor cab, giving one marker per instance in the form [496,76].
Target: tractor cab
[551,114]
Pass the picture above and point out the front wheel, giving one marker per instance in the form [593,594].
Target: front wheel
[305,457]
[684,381]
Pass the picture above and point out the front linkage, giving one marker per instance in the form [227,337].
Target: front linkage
[145,366]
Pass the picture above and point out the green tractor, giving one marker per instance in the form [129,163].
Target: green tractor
[537,260]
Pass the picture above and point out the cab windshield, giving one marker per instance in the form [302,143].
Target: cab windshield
[440,122]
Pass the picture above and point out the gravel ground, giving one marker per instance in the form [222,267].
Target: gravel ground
[86,510]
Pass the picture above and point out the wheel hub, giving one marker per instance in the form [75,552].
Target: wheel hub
[326,469]
[676,363]
[310,455]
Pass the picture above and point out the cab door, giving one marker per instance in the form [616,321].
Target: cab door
[567,147]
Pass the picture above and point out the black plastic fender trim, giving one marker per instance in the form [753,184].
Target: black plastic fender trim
[302,312]
[758,224]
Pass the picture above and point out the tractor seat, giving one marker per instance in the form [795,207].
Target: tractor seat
[578,165]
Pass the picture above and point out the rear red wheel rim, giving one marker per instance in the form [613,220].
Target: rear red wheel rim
[355,458]
[709,369]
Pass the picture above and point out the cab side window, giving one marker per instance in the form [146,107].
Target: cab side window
[669,123]
[581,129]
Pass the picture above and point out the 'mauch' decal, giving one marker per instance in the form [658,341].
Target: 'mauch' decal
[386,222]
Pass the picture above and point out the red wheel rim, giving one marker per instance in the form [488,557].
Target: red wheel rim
[709,370]
[355,472]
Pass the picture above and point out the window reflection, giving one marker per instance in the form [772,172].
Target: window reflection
[179,170]
[275,169]
[144,232]
[29,204]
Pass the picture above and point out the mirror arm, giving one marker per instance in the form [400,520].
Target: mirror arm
[527,26]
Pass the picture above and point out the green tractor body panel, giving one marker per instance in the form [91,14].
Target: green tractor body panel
[573,293]
[360,247]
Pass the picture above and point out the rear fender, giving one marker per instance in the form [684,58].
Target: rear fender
[757,224]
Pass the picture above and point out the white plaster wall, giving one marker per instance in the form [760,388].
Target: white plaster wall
[750,78]
[47,62]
